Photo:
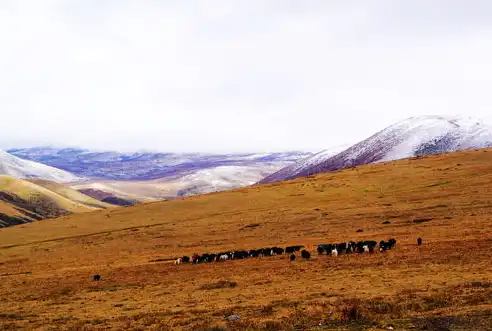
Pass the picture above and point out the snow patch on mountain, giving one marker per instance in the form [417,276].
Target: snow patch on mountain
[415,136]
[316,158]
[19,168]
[306,163]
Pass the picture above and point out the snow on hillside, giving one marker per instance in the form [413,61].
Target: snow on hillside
[414,136]
[19,168]
[308,162]
[195,182]
[147,165]
[435,134]
[221,178]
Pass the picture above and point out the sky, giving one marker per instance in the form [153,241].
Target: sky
[235,76]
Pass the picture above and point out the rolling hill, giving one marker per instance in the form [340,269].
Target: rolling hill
[70,194]
[444,284]
[107,197]
[416,136]
[12,214]
[29,200]
[16,167]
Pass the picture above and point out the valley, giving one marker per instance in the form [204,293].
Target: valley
[445,283]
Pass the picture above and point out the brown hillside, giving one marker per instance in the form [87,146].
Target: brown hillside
[11,214]
[446,283]
[107,197]
[31,200]
[71,194]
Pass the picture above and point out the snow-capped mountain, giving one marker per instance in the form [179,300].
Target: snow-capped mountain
[415,136]
[306,163]
[146,165]
[16,167]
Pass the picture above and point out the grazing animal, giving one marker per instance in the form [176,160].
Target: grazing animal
[305,254]
[324,248]
[241,255]
[341,248]
[289,250]
[293,249]
[266,252]
[277,251]
[203,258]
[334,252]
[224,257]
[254,252]
[96,278]
[366,248]
[383,246]
[370,243]
[292,257]
[178,261]
[419,241]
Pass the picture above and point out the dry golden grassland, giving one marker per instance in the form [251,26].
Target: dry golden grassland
[26,200]
[443,285]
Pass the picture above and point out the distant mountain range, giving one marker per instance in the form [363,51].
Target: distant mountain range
[415,136]
[148,176]
[127,178]
[148,166]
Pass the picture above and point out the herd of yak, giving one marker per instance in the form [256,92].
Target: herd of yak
[360,247]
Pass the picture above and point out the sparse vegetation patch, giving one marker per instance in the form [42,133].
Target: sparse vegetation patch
[218,285]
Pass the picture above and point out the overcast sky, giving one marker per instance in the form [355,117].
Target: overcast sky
[235,76]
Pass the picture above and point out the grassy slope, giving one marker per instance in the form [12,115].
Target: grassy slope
[129,190]
[450,276]
[10,214]
[71,194]
[44,198]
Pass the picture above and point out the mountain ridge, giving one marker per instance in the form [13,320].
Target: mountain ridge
[14,166]
[414,136]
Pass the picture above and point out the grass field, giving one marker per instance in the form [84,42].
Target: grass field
[446,284]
